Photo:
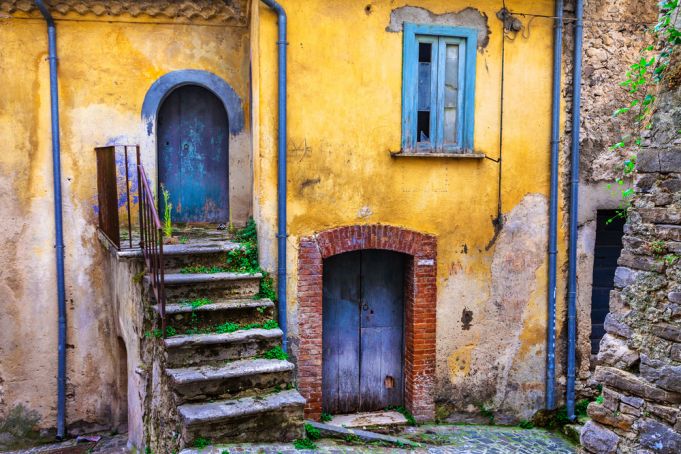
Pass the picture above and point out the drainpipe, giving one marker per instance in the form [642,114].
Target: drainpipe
[574,210]
[553,206]
[59,240]
[281,168]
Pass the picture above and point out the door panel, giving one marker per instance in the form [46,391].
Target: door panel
[363,310]
[193,155]
[381,329]
[340,334]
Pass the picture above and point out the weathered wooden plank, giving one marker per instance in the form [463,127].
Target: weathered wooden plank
[340,338]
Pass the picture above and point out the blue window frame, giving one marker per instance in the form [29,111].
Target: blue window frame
[438,88]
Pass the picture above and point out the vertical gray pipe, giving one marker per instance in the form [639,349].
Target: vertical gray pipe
[574,210]
[59,232]
[553,206]
[281,168]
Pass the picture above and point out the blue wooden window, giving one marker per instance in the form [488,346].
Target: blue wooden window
[438,88]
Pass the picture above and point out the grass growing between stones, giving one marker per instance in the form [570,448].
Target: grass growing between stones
[231,327]
[406,413]
[195,304]
[275,353]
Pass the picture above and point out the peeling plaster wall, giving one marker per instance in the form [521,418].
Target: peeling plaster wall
[345,71]
[106,65]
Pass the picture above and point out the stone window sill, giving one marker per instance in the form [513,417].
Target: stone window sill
[430,154]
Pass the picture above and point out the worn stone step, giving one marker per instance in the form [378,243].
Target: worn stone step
[182,316]
[193,350]
[177,256]
[181,286]
[236,379]
[272,417]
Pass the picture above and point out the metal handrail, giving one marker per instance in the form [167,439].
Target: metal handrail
[151,242]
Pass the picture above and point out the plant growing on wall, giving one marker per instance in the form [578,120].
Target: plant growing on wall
[642,82]
[168,207]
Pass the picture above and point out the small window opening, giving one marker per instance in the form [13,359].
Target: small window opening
[424,95]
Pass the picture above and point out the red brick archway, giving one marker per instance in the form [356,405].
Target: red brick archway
[420,306]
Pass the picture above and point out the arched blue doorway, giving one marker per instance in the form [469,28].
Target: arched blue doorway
[190,116]
[193,155]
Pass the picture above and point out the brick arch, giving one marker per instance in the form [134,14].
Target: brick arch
[420,308]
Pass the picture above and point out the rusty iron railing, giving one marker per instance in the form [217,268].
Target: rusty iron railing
[151,242]
[109,193]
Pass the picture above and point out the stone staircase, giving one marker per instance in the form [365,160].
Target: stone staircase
[221,385]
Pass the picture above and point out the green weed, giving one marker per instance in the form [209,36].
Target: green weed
[168,207]
[275,353]
[201,442]
[406,413]
[312,432]
[304,443]
[326,417]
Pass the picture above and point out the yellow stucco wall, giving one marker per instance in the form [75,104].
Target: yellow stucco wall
[106,66]
[345,77]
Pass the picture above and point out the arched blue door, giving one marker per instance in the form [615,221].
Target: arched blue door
[193,155]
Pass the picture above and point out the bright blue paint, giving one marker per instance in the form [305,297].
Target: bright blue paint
[168,82]
[467,38]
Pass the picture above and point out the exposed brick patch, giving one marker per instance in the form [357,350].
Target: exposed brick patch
[420,308]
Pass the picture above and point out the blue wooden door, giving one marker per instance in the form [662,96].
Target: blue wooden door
[363,320]
[193,155]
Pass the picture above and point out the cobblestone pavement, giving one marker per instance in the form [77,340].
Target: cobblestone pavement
[434,439]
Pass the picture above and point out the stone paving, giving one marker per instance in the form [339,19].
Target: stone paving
[434,439]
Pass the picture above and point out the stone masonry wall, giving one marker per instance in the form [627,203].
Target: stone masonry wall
[640,356]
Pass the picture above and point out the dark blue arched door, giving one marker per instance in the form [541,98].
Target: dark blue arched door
[193,155]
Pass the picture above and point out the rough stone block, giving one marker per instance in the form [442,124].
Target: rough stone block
[615,352]
[674,297]
[672,184]
[613,326]
[667,331]
[675,354]
[659,215]
[610,418]
[611,399]
[648,161]
[663,375]
[640,262]
[625,276]
[669,414]
[659,437]
[633,401]
[597,439]
[630,383]
[670,160]
[668,232]
[629,410]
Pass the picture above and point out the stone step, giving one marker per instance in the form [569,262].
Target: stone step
[177,256]
[182,316]
[269,418]
[236,379]
[180,286]
[203,349]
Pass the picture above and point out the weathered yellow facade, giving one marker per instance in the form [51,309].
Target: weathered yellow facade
[490,216]
[345,88]
[106,66]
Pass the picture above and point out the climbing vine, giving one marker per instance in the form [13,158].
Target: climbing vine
[642,81]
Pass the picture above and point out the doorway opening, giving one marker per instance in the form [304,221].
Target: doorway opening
[193,155]
[609,233]
[363,331]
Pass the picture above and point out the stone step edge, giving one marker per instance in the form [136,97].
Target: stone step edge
[227,305]
[211,412]
[238,337]
[185,249]
[173,279]
[239,368]
[327,430]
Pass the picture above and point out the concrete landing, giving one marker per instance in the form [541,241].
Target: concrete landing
[368,420]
